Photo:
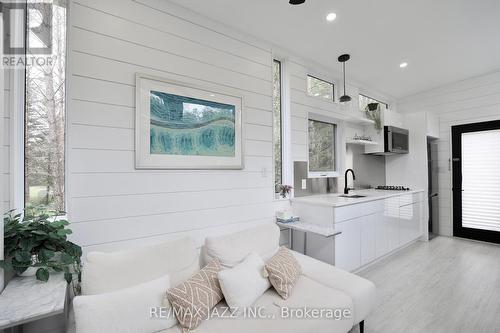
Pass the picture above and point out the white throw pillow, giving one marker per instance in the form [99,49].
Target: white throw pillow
[105,272]
[142,308]
[233,248]
[243,284]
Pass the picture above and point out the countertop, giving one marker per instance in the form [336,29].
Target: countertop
[335,200]
[25,299]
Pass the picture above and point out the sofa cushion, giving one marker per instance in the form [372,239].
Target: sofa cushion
[243,284]
[284,271]
[233,248]
[193,299]
[308,294]
[105,272]
[125,310]
[361,291]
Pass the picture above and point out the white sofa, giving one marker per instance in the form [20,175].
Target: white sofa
[320,286]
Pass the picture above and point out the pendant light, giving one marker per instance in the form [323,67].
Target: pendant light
[296,2]
[343,58]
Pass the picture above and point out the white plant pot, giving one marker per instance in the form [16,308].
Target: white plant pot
[30,271]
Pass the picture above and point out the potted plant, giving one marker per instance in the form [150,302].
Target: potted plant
[284,190]
[37,240]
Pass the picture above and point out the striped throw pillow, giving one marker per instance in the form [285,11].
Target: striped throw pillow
[193,299]
[284,271]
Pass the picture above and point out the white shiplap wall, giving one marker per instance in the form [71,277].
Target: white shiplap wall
[111,204]
[468,101]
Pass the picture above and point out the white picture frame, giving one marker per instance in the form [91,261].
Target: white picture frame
[148,157]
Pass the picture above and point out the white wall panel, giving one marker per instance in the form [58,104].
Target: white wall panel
[112,205]
[469,101]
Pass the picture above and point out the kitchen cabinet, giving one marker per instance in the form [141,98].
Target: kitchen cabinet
[348,244]
[409,222]
[369,230]
[368,238]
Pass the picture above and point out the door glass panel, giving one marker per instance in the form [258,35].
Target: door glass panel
[481,180]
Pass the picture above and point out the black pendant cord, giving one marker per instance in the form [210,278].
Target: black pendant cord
[343,70]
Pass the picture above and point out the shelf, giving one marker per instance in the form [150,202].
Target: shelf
[361,142]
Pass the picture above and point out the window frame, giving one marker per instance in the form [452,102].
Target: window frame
[332,100]
[373,99]
[275,181]
[17,84]
[338,154]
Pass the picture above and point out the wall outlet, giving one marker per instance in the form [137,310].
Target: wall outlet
[304,184]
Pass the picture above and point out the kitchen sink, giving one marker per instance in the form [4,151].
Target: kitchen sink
[353,196]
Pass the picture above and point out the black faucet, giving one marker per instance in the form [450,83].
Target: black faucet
[346,189]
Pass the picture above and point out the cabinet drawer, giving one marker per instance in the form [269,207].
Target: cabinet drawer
[351,212]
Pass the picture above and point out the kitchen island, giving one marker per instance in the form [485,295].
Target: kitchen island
[372,225]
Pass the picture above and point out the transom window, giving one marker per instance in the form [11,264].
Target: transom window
[365,100]
[320,88]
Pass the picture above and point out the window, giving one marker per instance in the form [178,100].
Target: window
[277,124]
[365,100]
[320,88]
[44,121]
[322,147]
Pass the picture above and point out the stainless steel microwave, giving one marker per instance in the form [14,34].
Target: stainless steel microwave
[395,140]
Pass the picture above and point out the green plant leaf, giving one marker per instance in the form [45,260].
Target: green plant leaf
[42,274]
[22,256]
[39,232]
[45,255]
[6,265]
[68,277]
[64,232]
[67,259]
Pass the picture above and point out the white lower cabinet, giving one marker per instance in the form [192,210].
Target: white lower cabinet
[348,244]
[368,230]
[409,222]
[368,238]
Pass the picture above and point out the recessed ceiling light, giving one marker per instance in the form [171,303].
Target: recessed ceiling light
[403,65]
[330,17]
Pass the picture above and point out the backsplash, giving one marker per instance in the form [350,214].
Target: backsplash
[369,169]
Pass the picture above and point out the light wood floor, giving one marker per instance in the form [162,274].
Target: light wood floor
[446,285]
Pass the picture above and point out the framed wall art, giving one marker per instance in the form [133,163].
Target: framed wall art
[179,126]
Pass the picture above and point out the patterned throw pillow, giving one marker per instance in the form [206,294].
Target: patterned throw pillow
[284,271]
[193,299]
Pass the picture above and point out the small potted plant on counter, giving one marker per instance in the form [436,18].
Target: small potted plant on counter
[35,243]
[284,190]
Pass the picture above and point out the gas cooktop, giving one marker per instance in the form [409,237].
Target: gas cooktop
[392,188]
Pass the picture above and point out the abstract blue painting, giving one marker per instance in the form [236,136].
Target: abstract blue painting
[182,125]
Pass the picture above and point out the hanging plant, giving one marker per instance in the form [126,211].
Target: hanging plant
[372,112]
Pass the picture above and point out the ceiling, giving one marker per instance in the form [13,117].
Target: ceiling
[442,41]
